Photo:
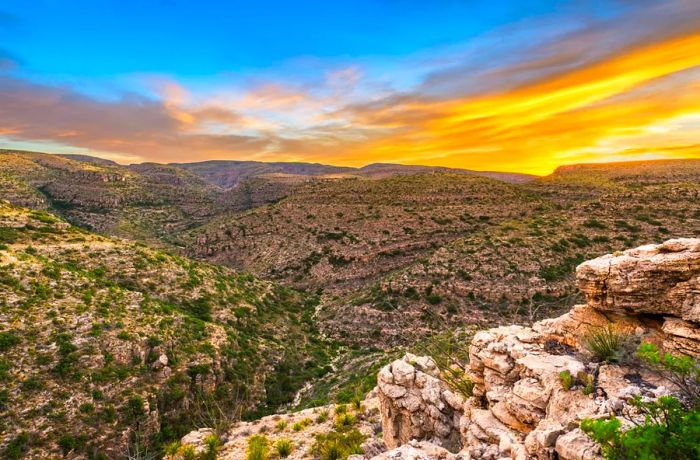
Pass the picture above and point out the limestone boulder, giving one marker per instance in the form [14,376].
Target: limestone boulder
[654,279]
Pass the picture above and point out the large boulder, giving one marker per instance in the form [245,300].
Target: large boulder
[659,279]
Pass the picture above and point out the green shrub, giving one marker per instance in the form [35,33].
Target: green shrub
[343,421]
[306,421]
[17,447]
[8,339]
[593,223]
[258,448]
[587,381]
[341,409]
[187,452]
[283,448]
[211,443]
[69,443]
[450,352]
[8,235]
[87,408]
[606,344]
[433,299]
[172,448]
[667,432]
[356,403]
[566,379]
[683,371]
[281,425]
[336,446]
[4,399]
[134,408]
[322,416]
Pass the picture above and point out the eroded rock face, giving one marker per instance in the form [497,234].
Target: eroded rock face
[416,405]
[656,279]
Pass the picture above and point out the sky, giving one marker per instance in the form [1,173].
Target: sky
[523,86]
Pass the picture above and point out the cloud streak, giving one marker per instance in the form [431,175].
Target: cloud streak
[621,87]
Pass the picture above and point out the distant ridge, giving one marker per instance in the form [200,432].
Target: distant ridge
[89,159]
[632,166]
[224,173]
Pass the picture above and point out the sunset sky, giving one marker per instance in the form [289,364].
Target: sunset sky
[520,86]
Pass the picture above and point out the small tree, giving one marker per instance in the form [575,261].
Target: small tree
[681,370]
[667,428]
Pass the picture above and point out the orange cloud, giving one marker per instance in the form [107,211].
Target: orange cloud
[535,127]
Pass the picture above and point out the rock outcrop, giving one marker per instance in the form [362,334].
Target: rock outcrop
[520,409]
[661,279]
[417,405]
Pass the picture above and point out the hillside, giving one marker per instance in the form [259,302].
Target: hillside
[152,202]
[424,244]
[425,252]
[397,250]
[106,343]
[145,202]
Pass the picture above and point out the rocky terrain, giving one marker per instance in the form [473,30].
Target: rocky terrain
[147,202]
[522,401]
[154,202]
[107,345]
[428,252]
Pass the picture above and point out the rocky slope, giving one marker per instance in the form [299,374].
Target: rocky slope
[154,202]
[106,343]
[429,252]
[147,202]
[518,406]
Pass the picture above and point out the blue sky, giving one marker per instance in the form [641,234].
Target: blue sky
[340,82]
[187,38]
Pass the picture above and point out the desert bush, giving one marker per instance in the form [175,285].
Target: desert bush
[322,416]
[337,446]
[212,444]
[341,409]
[8,339]
[281,425]
[587,381]
[450,352]
[606,344]
[566,379]
[283,447]
[667,432]
[343,421]
[356,403]
[683,371]
[258,448]
[17,447]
